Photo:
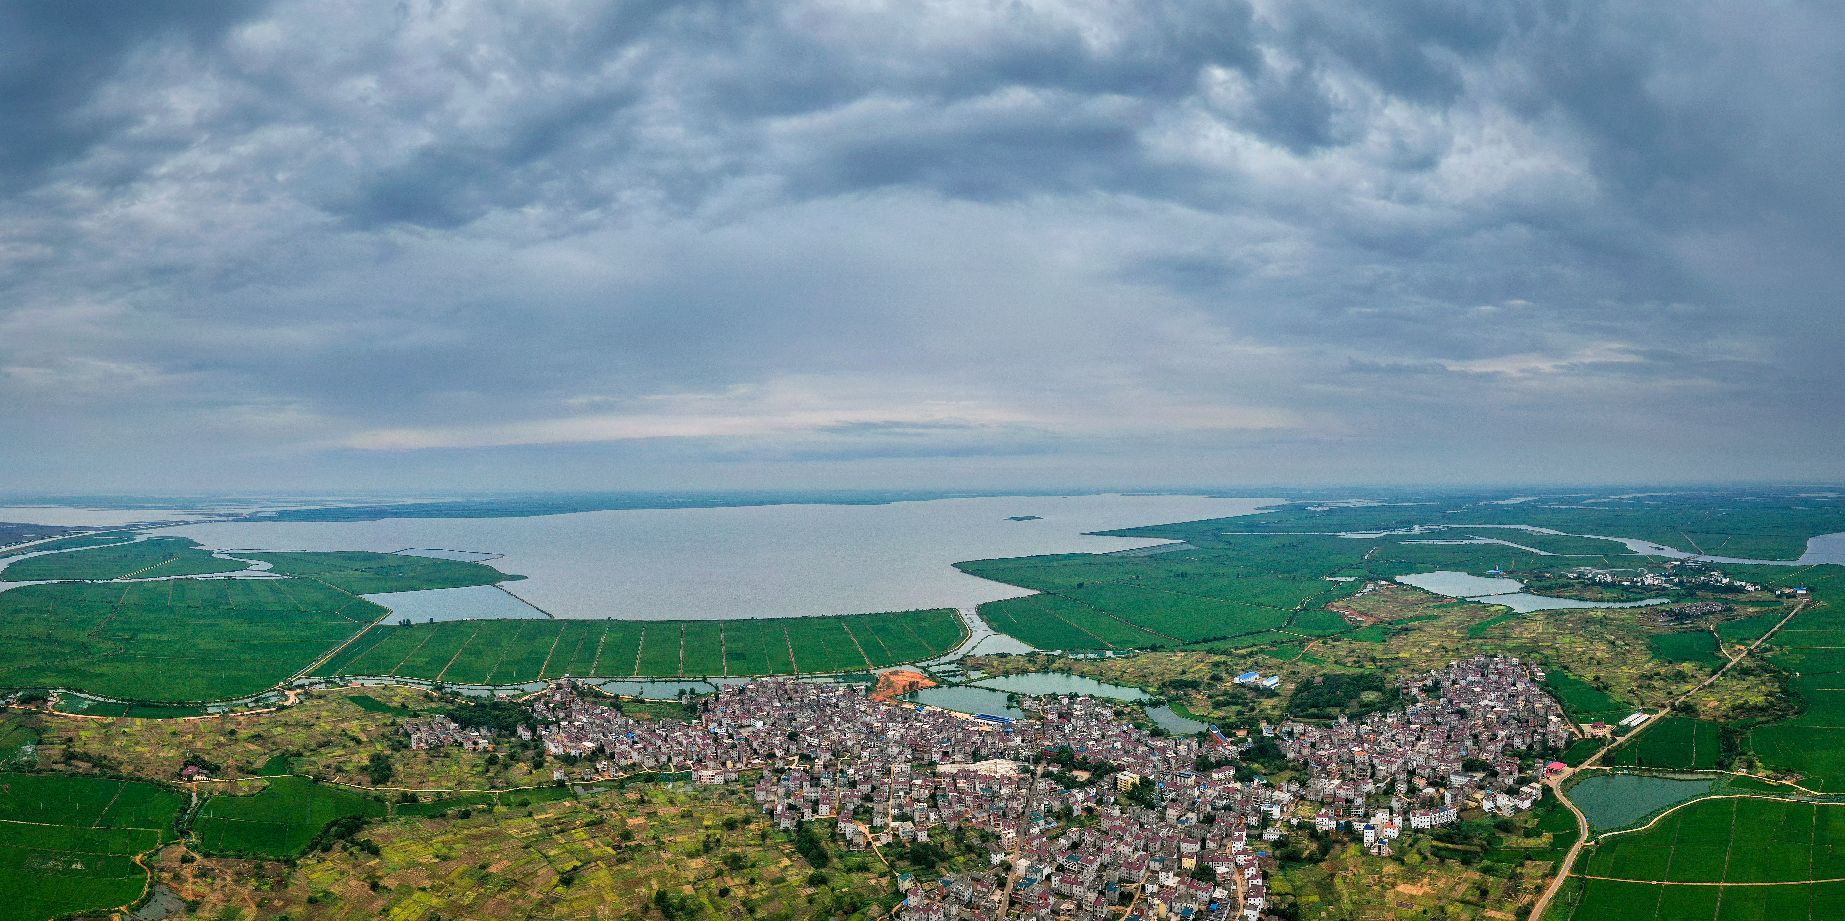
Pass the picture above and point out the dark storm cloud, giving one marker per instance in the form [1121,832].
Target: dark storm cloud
[656,243]
[55,56]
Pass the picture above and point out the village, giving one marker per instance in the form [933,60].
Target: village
[1082,814]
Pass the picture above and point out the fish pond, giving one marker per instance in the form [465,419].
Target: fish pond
[1610,801]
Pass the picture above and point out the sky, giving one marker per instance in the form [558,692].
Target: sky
[455,246]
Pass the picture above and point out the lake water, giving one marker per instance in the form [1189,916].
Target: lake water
[1506,592]
[1618,800]
[759,561]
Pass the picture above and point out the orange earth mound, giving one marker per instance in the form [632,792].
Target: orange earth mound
[898,682]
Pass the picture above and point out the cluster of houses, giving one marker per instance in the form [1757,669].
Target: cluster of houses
[1458,740]
[1674,574]
[442,732]
[1080,814]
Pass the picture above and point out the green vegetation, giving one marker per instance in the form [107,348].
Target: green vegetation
[171,641]
[1335,694]
[367,573]
[1670,743]
[1733,840]
[1697,646]
[282,820]
[518,651]
[70,842]
[1584,702]
[146,559]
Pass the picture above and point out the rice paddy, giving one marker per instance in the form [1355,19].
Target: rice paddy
[501,652]
[70,843]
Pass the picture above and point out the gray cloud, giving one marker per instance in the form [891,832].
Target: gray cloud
[655,244]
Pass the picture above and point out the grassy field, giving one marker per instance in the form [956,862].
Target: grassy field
[518,651]
[159,556]
[171,641]
[279,820]
[70,842]
[603,856]
[365,573]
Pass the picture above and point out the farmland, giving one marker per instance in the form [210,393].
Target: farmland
[364,573]
[1672,743]
[171,641]
[279,820]
[517,651]
[604,855]
[71,842]
[1733,857]
[145,559]
[1732,840]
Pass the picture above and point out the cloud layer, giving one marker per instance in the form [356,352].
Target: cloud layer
[471,245]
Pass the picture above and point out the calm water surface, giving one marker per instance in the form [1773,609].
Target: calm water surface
[762,561]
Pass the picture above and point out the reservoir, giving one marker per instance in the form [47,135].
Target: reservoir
[757,561]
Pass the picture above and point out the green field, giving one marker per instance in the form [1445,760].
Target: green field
[70,842]
[156,557]
[1696,646]
[1811,652]
[1584,702]
[1670,743]
[1732,840]
[280,821]
[1596,900]
[365,573]
[518,651]
[171,641]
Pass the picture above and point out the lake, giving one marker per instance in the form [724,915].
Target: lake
[755,561]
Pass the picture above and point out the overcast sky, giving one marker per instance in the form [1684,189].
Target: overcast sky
[436,246]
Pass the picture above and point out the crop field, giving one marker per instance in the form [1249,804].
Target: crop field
[279,821]
[1685,646]
[518,651]
[1240,587]
[1584,702]
[1768,528]
[1730,840]
[1672,743]
[1598,899]
[70,842]
[160,556]
[171,641]
[365,573]
[1811,652]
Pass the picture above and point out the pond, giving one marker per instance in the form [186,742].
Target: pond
[1048,683]
[1611,801]
[657,690]
[1169,720]
[1506,592]
[968,699]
